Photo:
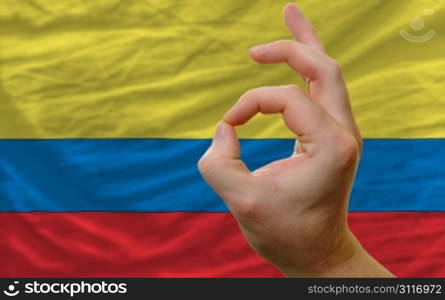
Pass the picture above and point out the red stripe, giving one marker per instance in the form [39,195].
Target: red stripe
[191,244]
[409,244]
[125,245]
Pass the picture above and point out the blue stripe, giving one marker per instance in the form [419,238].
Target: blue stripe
[161,175]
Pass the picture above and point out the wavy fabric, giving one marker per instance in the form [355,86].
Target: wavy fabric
[147,68]
[105,107]
[138,175]
[192,244]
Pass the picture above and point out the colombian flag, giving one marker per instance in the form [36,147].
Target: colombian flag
[107,105]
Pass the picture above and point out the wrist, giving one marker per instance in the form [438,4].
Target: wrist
[348,259]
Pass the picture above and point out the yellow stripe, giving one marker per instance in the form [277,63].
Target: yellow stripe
[172,68]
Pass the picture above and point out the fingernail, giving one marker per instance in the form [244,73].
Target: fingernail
[256,49]
[294,9]
[221,130]
[293,5]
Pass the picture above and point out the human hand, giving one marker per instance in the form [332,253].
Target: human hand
[293,211]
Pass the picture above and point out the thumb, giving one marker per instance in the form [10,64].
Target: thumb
[221,166]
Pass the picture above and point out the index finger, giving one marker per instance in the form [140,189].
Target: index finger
[327,85]
[301,115]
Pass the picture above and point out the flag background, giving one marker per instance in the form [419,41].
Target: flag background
[105,107]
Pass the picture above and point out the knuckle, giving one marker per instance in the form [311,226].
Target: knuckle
[206,165]
[246,208]
[287,46]
[294,91]
[333,67]
[347,151]
[252,93]
[245,205]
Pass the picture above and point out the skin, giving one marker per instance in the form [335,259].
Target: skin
[293,211]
